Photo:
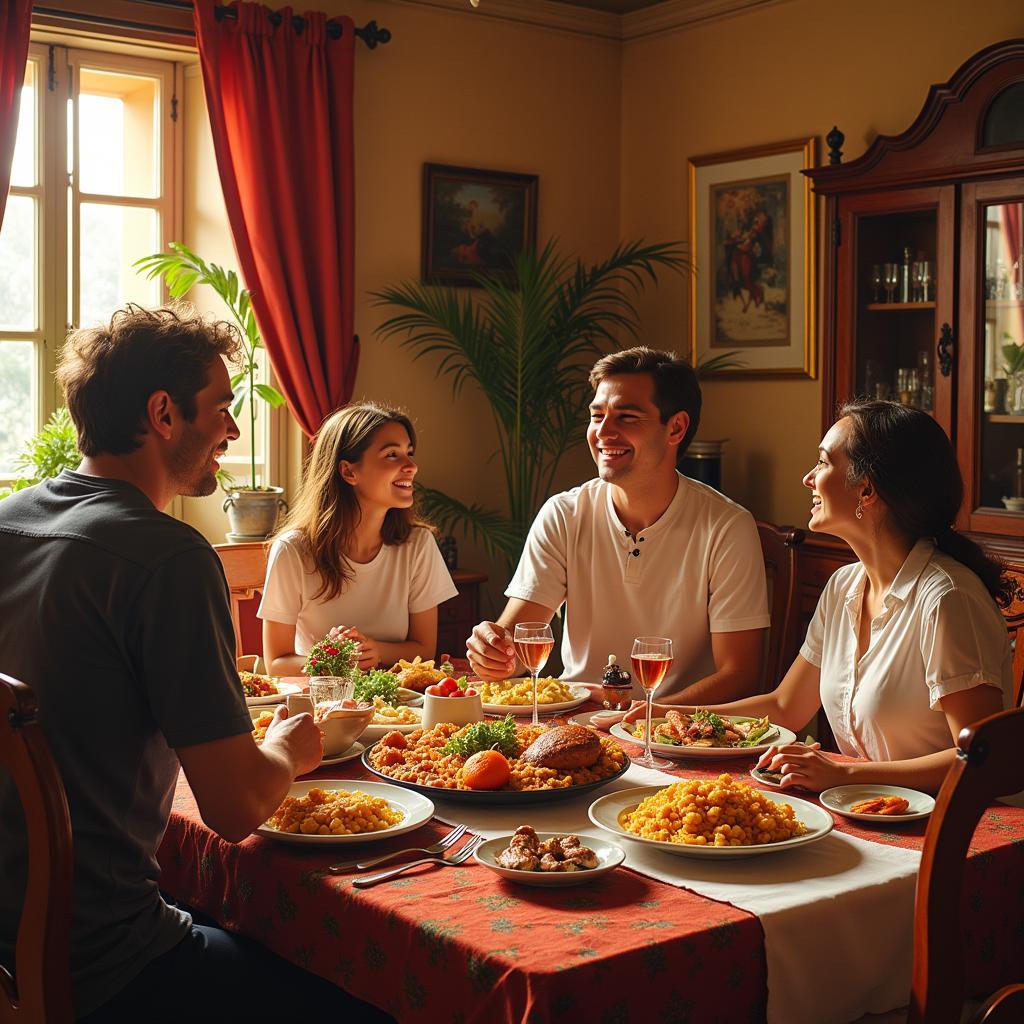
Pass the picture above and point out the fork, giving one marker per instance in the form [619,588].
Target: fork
[439,847]
[456,858]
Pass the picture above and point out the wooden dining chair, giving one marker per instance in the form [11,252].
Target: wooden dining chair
[245,567]
[779,547]
[988,765]
[39,991]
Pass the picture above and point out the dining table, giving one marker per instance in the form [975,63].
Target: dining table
[461,944]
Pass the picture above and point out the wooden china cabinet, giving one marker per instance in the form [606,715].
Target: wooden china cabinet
[924,293]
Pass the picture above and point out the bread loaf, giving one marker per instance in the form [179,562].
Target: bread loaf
[564,746]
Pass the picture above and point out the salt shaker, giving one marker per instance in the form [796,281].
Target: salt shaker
[618,688]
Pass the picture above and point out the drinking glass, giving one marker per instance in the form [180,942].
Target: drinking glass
[651,657]
[533,642]
[915,282]
[891,277]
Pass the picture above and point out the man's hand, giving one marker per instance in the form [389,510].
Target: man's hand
[299,737]
[491,652]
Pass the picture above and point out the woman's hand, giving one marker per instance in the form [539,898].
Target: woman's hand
[369,654]
[805,766]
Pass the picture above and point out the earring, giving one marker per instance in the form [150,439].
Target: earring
[859,511]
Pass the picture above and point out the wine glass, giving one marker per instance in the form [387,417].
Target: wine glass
[651,657]
[891,276]
[925,277]
[876,282]
[533,642]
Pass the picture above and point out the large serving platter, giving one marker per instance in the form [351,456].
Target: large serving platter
[416,811]
[778,737]
[606,811]
[495,796]
[580,695]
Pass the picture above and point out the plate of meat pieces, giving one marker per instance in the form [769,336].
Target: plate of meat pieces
[549,859]
[878,803]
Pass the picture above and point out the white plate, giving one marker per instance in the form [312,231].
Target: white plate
[605,811]
[580,695]
[283,690]
[347,755]
[410,698]
[372,732]
[609,857]
[416,810]
[777,738]
[841,798]
[767,783]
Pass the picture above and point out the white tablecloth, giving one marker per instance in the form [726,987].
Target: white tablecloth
[837,914]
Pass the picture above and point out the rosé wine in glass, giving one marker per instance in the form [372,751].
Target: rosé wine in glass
[651,657]
[533,642]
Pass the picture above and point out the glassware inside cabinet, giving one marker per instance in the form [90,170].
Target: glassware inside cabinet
[1002,381]
[896,329]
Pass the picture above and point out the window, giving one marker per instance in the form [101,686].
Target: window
[92,190]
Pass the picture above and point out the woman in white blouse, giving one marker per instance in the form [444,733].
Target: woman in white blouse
[351,556]
[907,645]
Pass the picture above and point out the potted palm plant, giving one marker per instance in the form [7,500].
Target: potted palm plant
[528,342]
[252,510]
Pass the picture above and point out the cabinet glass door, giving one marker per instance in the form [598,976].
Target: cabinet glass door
[1001,375]
[895,300]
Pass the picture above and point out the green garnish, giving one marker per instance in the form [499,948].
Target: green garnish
[757,731]
[715,721]
[485,736]
[376,683]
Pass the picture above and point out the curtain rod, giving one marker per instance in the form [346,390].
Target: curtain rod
[370,33]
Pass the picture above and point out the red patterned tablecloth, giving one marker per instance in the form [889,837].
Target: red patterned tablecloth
[461,945]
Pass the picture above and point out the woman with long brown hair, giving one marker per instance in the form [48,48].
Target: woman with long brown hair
[907,645]
[351,555]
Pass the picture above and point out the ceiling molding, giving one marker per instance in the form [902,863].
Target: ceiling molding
[566,17]
[673,14]
[545,13]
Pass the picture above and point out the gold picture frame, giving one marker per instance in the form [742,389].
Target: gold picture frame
[753,235]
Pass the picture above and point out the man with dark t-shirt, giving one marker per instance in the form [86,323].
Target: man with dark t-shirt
[117,615]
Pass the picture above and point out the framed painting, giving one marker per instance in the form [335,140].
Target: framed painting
[753,233]
[474,221]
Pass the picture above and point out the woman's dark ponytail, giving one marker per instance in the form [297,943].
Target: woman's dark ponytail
[910,463]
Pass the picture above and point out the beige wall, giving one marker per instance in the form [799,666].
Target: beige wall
[609,129]
[788,70]
[453,88]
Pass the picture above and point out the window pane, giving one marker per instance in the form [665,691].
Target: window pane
[23,170]
[17,265]
[16,405]
[112,238]
[237,462]
[118,134]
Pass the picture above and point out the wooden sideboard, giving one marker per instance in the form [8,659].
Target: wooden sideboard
[457,617]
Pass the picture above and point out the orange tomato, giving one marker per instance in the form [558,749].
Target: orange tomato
[487,769]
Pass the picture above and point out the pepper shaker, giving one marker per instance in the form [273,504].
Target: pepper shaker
[618,687]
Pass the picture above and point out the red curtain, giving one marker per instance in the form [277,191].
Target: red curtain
[15,21]
[280,104]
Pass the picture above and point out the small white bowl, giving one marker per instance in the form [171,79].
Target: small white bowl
[1014,504]
[457,710]
[609,857]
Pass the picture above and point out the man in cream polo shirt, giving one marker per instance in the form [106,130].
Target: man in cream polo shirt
[641,550]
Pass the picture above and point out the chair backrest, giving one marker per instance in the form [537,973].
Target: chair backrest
[40,989]
[988,765]
[1014,616]
[245,567]
[779,546]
